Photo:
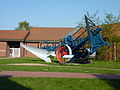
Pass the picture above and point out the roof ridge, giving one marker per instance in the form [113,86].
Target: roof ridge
[13,31]
[52,27]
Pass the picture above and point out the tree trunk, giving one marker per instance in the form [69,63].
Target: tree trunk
[114,51]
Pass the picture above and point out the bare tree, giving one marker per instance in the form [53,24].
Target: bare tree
[111,19]
[92,17]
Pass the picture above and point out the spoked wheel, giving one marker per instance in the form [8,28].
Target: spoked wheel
[63,50]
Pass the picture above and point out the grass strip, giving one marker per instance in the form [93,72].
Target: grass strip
[30,83]
[95,63]
[55,69]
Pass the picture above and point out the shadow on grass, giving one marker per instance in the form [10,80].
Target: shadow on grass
[35,60]
[56,62]
[53,61]
[7,84]
[112,80]
[114,83]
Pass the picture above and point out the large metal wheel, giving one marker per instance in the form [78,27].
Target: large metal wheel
[63,50]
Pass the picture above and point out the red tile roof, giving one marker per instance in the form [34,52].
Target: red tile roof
[12,35]
[45,33]
[37,34]
[80,32]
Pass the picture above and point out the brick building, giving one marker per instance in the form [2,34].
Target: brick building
[10,40]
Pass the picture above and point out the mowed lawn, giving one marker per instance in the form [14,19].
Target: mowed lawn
[37,83]
[103,66]
[113,64]
[29,83]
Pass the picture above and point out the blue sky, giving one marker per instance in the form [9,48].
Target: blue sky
[52,13]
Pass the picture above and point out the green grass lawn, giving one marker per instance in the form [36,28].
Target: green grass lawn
[95,63]
[103,64]
[29,83]
[56,69]
[79,69]
[35,83]
[21,60]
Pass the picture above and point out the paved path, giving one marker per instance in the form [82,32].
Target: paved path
[57,74]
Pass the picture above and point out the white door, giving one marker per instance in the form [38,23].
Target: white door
[14,52]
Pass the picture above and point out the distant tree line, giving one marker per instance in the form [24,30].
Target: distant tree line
[108,19]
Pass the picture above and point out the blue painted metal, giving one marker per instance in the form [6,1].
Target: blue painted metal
[77,44]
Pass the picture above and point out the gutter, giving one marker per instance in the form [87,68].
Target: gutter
[11,40]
